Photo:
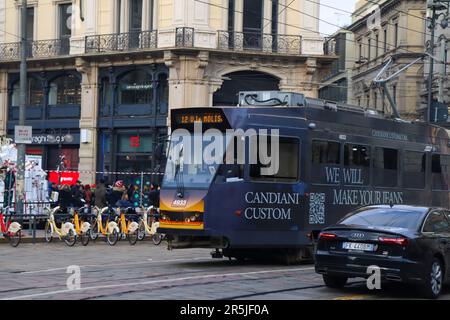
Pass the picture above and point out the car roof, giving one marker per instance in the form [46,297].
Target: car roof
[420,209]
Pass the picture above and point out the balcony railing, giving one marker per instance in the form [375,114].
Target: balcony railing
[184,37]
[9,51]
[36,49]
[122,41]
[250,41]
[49,48]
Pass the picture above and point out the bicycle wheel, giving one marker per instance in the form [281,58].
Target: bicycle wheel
[85,237]
[71,238]
[14,239]
[112,238]
[141,231]
[93,232]
[157,239]
[48,232]
[133,237]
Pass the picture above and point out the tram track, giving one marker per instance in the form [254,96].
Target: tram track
[168,283]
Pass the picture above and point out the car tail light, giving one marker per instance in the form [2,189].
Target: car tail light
[400,241]
[327,236]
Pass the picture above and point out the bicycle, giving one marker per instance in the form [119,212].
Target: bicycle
[83,229]
[110,229]
[128,229]
[66,232]
[11,230]
[150,229]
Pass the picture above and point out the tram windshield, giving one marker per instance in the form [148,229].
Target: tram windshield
[185,171]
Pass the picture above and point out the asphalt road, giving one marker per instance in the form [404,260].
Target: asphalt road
[146,271]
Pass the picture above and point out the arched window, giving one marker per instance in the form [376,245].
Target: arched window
[65,90]
[35,93]
[135,87]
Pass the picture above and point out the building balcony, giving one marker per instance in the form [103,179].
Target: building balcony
[182,37]
[129,41]
[260,42]
[36,49]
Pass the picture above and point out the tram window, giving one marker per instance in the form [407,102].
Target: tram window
[326,157]
[326,152]
[414,164]
[385,167]
[440,171]
[356,164]
[288,163]
[231,170]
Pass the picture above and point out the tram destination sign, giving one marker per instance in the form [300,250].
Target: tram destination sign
[207,118]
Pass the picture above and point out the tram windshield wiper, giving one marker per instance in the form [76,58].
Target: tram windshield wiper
[179,174]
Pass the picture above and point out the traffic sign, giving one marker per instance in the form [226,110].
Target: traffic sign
[23,134]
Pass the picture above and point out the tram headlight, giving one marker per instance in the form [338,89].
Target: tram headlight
[194,217]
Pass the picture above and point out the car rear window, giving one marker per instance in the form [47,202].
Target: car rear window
[380,217]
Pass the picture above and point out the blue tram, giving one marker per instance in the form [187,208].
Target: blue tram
[332,159]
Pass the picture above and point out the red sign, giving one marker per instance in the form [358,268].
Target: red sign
[135,142]
[69,178]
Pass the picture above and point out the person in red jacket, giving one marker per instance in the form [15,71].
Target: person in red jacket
[88,195]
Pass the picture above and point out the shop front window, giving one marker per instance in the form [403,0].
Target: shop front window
[35,93]
[135,143]
[136,87]
[65,90]
[71,158]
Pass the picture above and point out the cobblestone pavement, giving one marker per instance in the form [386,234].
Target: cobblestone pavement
[146,271]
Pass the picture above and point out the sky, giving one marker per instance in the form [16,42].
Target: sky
[333,16]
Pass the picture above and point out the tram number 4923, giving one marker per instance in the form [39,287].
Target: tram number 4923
[245,310]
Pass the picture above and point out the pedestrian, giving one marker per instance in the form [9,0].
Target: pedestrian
[130,191]
[77,195]
[9,182]
[87,195]
[117,192]
[154,196]
[65,197]
[124,201]
[100,194]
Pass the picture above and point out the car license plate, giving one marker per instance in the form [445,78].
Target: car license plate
[358,246]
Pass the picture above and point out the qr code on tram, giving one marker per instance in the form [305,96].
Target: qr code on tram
[317,208]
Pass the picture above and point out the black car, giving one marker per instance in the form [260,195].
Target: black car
[409,244]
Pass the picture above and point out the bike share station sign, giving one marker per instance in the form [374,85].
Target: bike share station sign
[23,135]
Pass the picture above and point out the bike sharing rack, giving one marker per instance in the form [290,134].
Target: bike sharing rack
[33,219]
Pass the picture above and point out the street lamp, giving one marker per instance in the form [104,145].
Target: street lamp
[434,12]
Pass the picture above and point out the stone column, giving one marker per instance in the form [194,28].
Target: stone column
[3,102]
[2,21]
[187,84]
[302,79]
[88,120]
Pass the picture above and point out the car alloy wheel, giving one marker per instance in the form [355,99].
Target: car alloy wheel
[436,278]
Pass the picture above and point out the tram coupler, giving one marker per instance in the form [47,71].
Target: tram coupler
[217,254]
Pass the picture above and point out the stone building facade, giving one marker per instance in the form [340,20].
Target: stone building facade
[400,32]
[104,74]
